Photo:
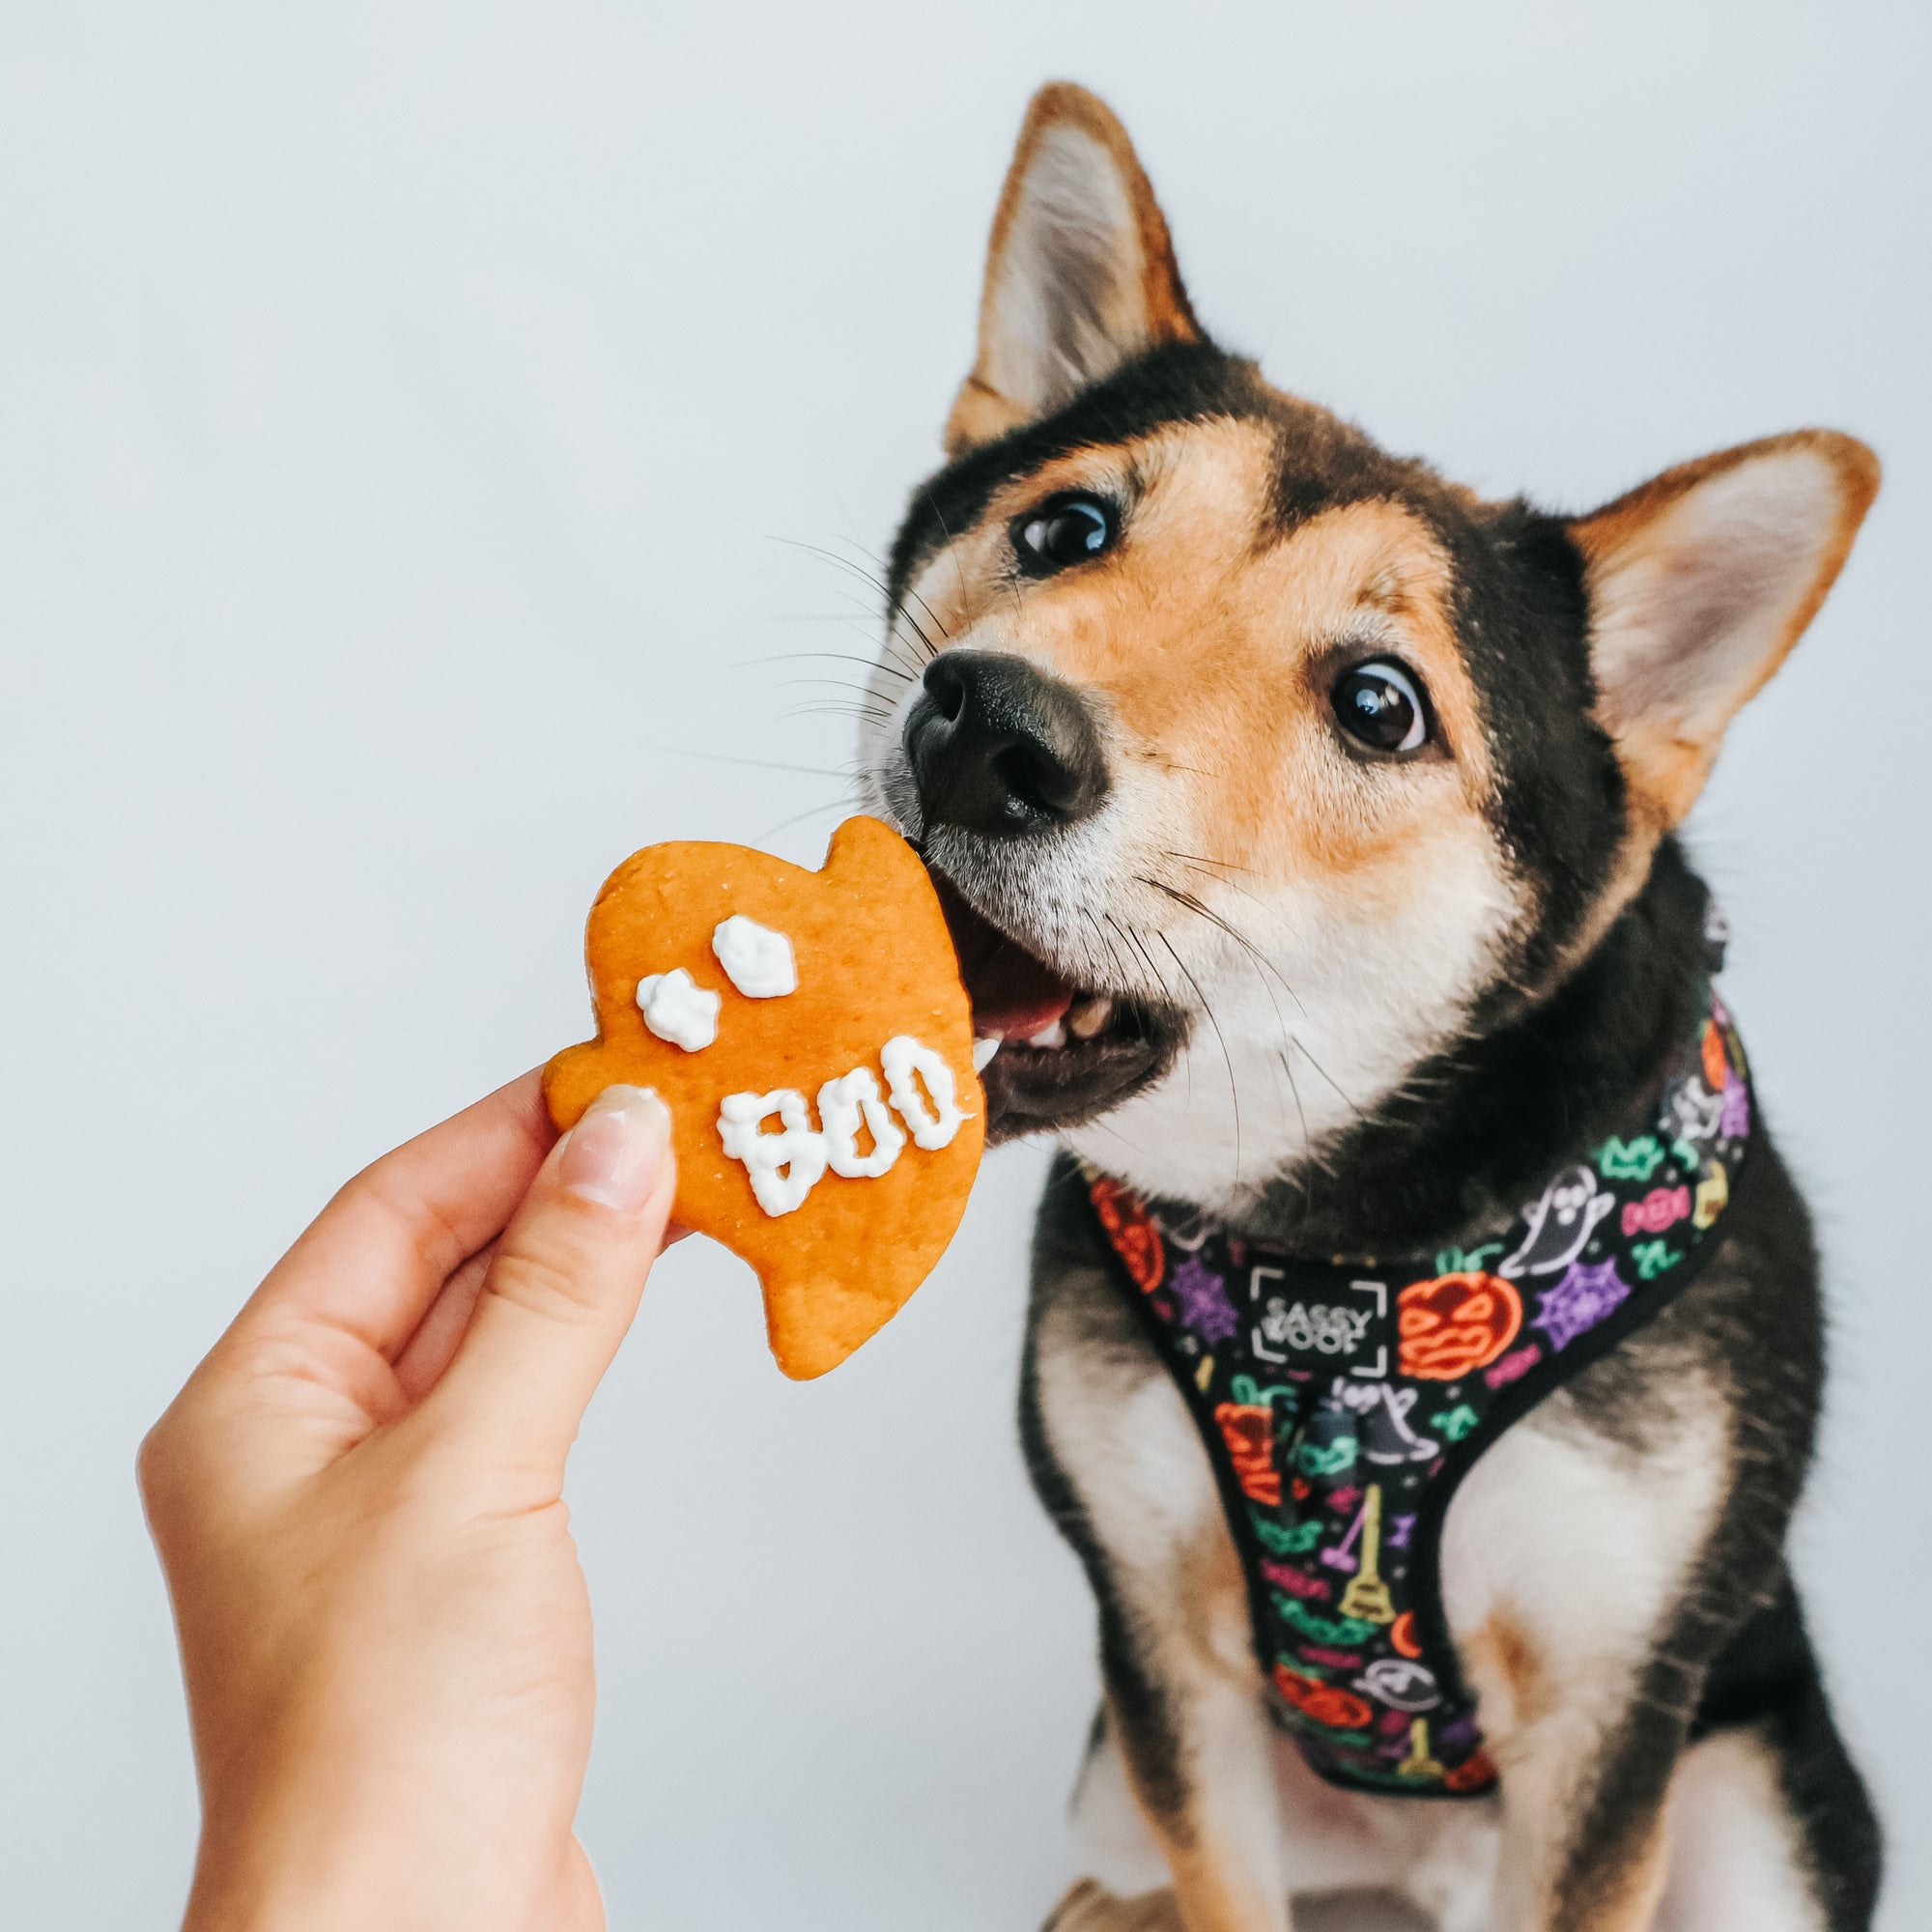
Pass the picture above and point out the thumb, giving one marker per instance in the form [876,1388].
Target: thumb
[562,1288]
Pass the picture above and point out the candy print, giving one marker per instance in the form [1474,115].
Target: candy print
[1297,1583]
[1657,1211]
[1454,1423]
[1313,1654]
[1734,1122]
[1518,1362]
[1582,1299]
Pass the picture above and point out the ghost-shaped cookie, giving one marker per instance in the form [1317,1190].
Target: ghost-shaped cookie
[809,1032]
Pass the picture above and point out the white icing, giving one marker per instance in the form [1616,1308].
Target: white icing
[784,1167]
[755,960]
[842,1105]
[676,1009]
[934,1121]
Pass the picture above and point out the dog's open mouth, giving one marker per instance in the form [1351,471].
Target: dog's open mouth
[1051,1054]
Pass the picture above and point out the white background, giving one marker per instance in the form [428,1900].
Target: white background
[408,415]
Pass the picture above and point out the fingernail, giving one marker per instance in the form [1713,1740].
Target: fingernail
[613,1153]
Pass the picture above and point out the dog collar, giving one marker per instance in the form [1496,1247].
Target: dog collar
[1341,1401]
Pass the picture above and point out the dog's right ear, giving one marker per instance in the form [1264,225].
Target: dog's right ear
[1080,274]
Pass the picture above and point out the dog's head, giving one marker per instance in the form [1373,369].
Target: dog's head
[1257,765]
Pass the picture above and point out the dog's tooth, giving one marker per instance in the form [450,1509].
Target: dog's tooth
[1049,1035]
[1088,1016]
[983,1051]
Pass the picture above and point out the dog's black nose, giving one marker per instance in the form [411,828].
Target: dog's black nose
[1000,747]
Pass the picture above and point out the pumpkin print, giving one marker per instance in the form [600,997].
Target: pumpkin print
[1455,1325]
[1135,1238]
[1249,1430]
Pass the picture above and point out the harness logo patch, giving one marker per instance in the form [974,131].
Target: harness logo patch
[1346,1330]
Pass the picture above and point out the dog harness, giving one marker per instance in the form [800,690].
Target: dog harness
[1341,1401]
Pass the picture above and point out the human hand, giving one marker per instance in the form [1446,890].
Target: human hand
[385,1630]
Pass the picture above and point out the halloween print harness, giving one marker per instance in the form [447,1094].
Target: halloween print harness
[1342,1401]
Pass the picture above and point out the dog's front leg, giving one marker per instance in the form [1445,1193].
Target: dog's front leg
[1117,1459]
[1197,1749]
[1568,1559]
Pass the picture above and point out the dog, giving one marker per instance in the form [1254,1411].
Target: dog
[1308,827]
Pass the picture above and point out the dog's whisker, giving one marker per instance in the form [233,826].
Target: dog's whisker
[829,657]
[894,607]
[800,817]
[879,562]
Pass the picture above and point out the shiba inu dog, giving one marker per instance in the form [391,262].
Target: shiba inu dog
[1307,825]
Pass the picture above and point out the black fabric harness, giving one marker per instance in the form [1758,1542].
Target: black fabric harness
[1341,1400]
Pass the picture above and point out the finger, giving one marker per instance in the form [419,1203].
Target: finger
[374,1259]
[424,1356]
[562,1288]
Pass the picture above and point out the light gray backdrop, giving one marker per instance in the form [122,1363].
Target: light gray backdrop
[409,417]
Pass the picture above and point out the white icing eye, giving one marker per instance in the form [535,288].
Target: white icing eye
[676,1009]
[755,960]
[935,1120]
[843,1105]
[783,1167]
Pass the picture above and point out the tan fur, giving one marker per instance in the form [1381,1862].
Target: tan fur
[981,410]
[1211,645]
[1502,1652]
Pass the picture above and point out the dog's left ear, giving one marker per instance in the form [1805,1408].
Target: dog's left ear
[1700,582]
[1080,272]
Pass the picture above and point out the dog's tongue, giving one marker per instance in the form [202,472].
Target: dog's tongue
[1015,995]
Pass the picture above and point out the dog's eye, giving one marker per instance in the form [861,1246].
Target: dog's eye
[1381,705]
[1064,531]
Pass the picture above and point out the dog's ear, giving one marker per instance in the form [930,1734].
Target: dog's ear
[1700,582]
[1080,274]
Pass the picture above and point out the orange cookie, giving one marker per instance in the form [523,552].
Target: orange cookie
[811,1037]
